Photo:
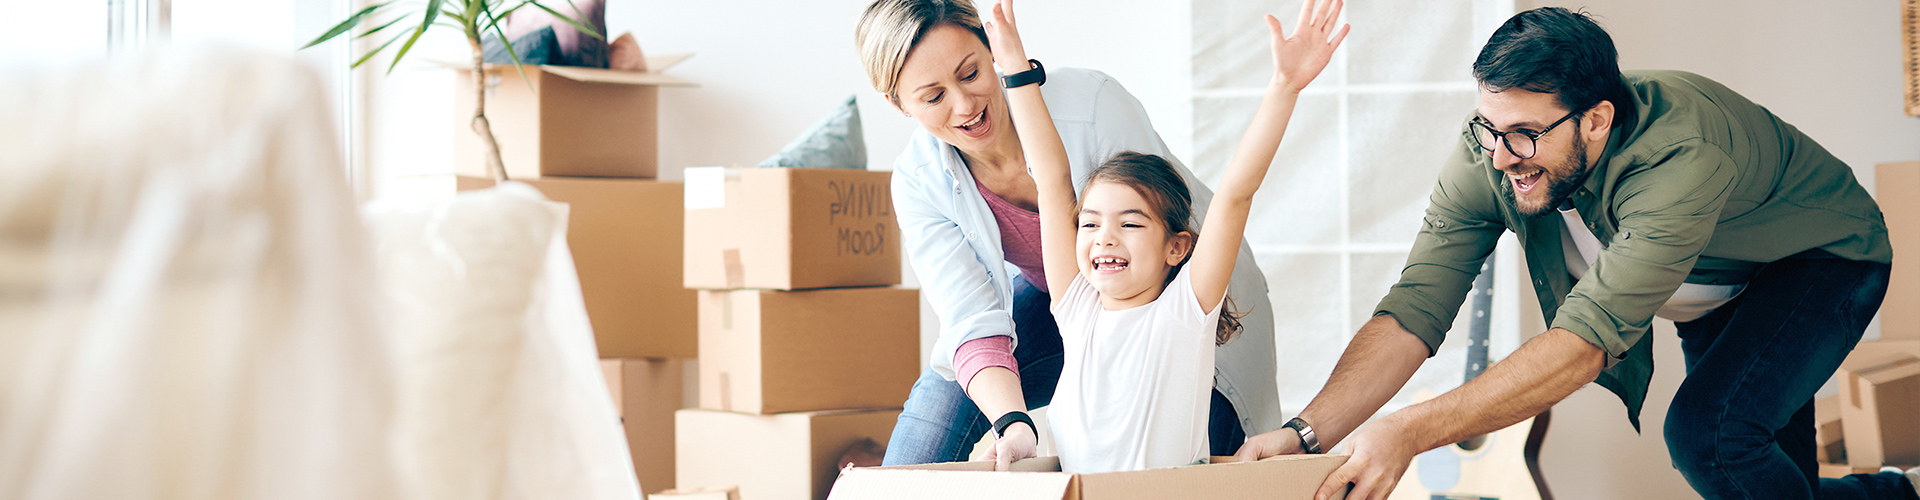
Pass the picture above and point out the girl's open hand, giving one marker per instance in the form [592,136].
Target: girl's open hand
[1005,40]
[1297,60]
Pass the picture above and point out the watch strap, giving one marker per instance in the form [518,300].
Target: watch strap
[1308,441]
[1036,74]
[1000,425]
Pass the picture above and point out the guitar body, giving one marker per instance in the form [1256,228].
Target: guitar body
[1504,466]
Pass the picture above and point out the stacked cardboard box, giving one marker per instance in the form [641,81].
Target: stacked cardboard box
[1896,186]
[1875,419]
[586,137]
[807,344]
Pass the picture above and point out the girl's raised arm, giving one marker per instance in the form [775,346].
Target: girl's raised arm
[1296,61]
[1046,158]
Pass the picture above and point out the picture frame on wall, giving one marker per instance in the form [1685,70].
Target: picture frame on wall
[1910,28]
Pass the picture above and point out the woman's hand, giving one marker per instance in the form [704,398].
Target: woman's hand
[1005,40]
[1283,441]
[1018,444]
[1297,60]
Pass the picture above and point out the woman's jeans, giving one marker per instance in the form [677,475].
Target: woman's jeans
[941,424]
[1741,425]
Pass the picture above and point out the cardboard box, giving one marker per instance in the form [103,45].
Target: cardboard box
[713,493]
[768,351]
[1828,434]
[1836,471]
[790,456]
[1284,477]
[647,392]
[1897,190]
[622,234]
[564,121]
[790,229]
[1880,409]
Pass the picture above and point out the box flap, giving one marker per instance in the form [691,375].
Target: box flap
[890,483]
[603,75]
[655,65]
[1902,367]
[1289,476]
[660,63]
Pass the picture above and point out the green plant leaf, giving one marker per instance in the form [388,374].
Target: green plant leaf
[344,26]
[376,50]
[576,24]
[433,9]
[395,20]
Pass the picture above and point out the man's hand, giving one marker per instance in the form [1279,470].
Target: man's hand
[1378,456]
[1284,441]
[1018,444]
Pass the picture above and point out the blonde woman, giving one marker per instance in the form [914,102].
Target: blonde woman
[968,214]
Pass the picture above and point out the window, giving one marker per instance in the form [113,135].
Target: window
[1339,209]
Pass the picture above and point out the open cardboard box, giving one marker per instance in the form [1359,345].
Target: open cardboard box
[790,228]
[564,120]
[1284,477]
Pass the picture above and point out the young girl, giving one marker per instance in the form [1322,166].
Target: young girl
[1137,291]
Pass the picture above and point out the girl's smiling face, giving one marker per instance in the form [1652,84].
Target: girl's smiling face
[1123,247]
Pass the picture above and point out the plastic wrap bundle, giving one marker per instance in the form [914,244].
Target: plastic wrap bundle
[504,397]
[186,306]
[190,308]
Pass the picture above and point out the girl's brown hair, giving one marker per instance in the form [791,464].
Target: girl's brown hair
[1168,198]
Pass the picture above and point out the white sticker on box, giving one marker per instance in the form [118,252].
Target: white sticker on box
[706,187]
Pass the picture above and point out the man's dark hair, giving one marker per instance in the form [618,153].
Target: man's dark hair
[1552,50]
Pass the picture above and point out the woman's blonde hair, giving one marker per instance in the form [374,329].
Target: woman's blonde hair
[889,30]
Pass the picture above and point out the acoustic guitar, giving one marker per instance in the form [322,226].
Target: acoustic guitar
[1504,465]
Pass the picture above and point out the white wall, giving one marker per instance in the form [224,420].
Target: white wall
[1833,69]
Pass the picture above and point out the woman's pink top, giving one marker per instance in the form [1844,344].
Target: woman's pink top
[1020,240]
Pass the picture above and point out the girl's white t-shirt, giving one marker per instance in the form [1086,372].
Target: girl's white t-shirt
[1136,385]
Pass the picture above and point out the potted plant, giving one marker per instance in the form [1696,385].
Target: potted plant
[473,18]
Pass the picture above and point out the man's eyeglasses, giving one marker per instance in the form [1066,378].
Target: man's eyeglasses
[1519,142]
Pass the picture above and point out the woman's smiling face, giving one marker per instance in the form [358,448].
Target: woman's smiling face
[948,85]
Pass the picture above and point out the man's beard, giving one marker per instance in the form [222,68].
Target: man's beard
[1562,180]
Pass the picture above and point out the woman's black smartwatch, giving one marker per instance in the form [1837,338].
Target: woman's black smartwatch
[1000,425]
[1308,442]
[1037,74]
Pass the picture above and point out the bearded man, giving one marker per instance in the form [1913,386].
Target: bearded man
[1635,195]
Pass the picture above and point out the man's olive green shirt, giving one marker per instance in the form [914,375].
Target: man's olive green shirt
[1696,185]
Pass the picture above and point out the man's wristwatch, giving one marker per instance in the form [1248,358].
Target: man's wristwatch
[1036,74]
[1308,442]
[1000,425]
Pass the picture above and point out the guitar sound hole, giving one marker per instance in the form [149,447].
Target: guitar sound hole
[1473,443]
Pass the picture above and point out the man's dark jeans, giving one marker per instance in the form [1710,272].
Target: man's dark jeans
[1741,425]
